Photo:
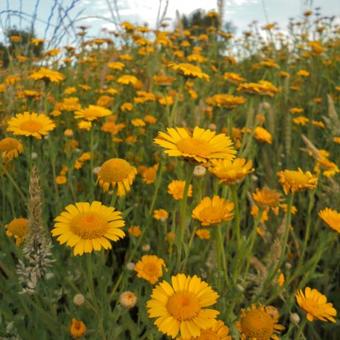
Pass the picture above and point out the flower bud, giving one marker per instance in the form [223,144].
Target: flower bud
[128,299]
[78,299]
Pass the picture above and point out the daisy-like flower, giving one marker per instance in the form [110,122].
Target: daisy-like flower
[150,268]
[92,112]
[160,215]
[18,228]
[315,305]
[331,217]
[77,328]
[213,210]
[88,226]
[10,148]
[218,332]
[149,173]
[262,135]
[189,70]
[296,180]
[227,101]
[176,189]
[117,172]
[202,145]
[259,322]
[30,124]
[127,79]
[47,75]
[231,171]
[180,308]
[266,198]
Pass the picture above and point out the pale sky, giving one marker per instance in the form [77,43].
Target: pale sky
[240,12]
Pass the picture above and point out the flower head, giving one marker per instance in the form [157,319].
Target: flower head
[117,172]
[218,332]
[189,70]
[296,180]
[10,148]
[201,146]
[77,328]
[150,268]
[92,112]
[46,74]
[315,305]
[259,322]
[231,171]
[331,217]
[88,226]
[213,210]
[266,198]
[262,135]
[176,189]
[180,308]
[18,228]
[30,124]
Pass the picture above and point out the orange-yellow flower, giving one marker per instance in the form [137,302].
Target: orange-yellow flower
[150,268]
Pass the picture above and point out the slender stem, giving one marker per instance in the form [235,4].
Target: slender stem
[15,185]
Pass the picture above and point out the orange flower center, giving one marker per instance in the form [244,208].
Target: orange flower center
[89,225]
[183,306]
[209,335]
[192,146]
[114,170]
[31,125]
[212,213]
[257,324]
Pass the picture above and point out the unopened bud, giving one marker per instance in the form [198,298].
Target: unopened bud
[78,299]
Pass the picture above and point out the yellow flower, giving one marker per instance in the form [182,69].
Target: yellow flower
[179,308]
[30,124]
[213,210]
[218,332]
[150,268]
[92,112]
[262,135]
[303,73]
[266,198]
[263,88]
[233,78]
[10,148]
[281,279]
[86,227]
[301,120]
[315,305]
[176,189]
[331,217]
[231,171]
[189,70]
[127,80]
[85,125]
[149,173]
[227,101]
[60,180]
[203,234]
[135,231]
[116,65]
[259,322]
[137,122]
[47,74]
[18,228]
[160,214]
[296,180]
[77,328]
[117,172]
[202,145]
